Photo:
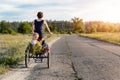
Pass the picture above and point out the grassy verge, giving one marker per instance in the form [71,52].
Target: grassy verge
[104,36]
[12,49]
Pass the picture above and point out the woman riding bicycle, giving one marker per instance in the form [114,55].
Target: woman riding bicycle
[38,26]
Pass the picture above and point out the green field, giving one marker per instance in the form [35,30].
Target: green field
[105,36]
[12,49]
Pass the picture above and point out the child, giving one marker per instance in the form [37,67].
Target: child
[34,39]
[35,46]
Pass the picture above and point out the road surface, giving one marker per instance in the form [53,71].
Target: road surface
[74,57]
[94,60]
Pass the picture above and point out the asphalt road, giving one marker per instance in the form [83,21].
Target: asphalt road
[74,57]
[93,59]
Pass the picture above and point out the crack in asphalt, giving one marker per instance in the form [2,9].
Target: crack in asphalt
[72,64]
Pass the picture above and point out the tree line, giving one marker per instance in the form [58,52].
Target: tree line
[99,26]
[94,26]
[14,27]
[75,25]
[25,27]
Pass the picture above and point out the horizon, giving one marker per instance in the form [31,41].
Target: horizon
[92,10]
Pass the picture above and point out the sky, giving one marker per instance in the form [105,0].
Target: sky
[88,10]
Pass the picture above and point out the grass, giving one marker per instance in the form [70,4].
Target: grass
[3,69]
[12,49]
[8,41]
[105,36]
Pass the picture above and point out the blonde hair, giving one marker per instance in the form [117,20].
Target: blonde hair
[35,34]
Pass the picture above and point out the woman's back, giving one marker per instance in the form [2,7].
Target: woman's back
[38,25]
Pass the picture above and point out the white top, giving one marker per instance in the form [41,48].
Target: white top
[33,42]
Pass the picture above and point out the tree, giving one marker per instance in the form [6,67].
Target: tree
[52,28]
[5,27]
[24,28]
[78,25]
[15,25]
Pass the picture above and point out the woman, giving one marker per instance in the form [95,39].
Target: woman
[38,26]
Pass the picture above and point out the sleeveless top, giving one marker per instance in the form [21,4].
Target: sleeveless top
[39,26]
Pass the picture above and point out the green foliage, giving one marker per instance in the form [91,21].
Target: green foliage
[60,26]
[55,27]
[78,25]
[36,49]
[24,28]
[6,28]
[15,25]
[9,31]
[52,28]
[10,61]
[3,68]
[11,57]
[14,51]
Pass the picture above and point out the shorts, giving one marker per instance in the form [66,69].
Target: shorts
[41,35]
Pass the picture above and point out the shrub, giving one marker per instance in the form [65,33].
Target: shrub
[11,56]
[24,28]
[6,28]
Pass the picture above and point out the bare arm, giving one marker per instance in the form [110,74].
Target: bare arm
[48,29]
